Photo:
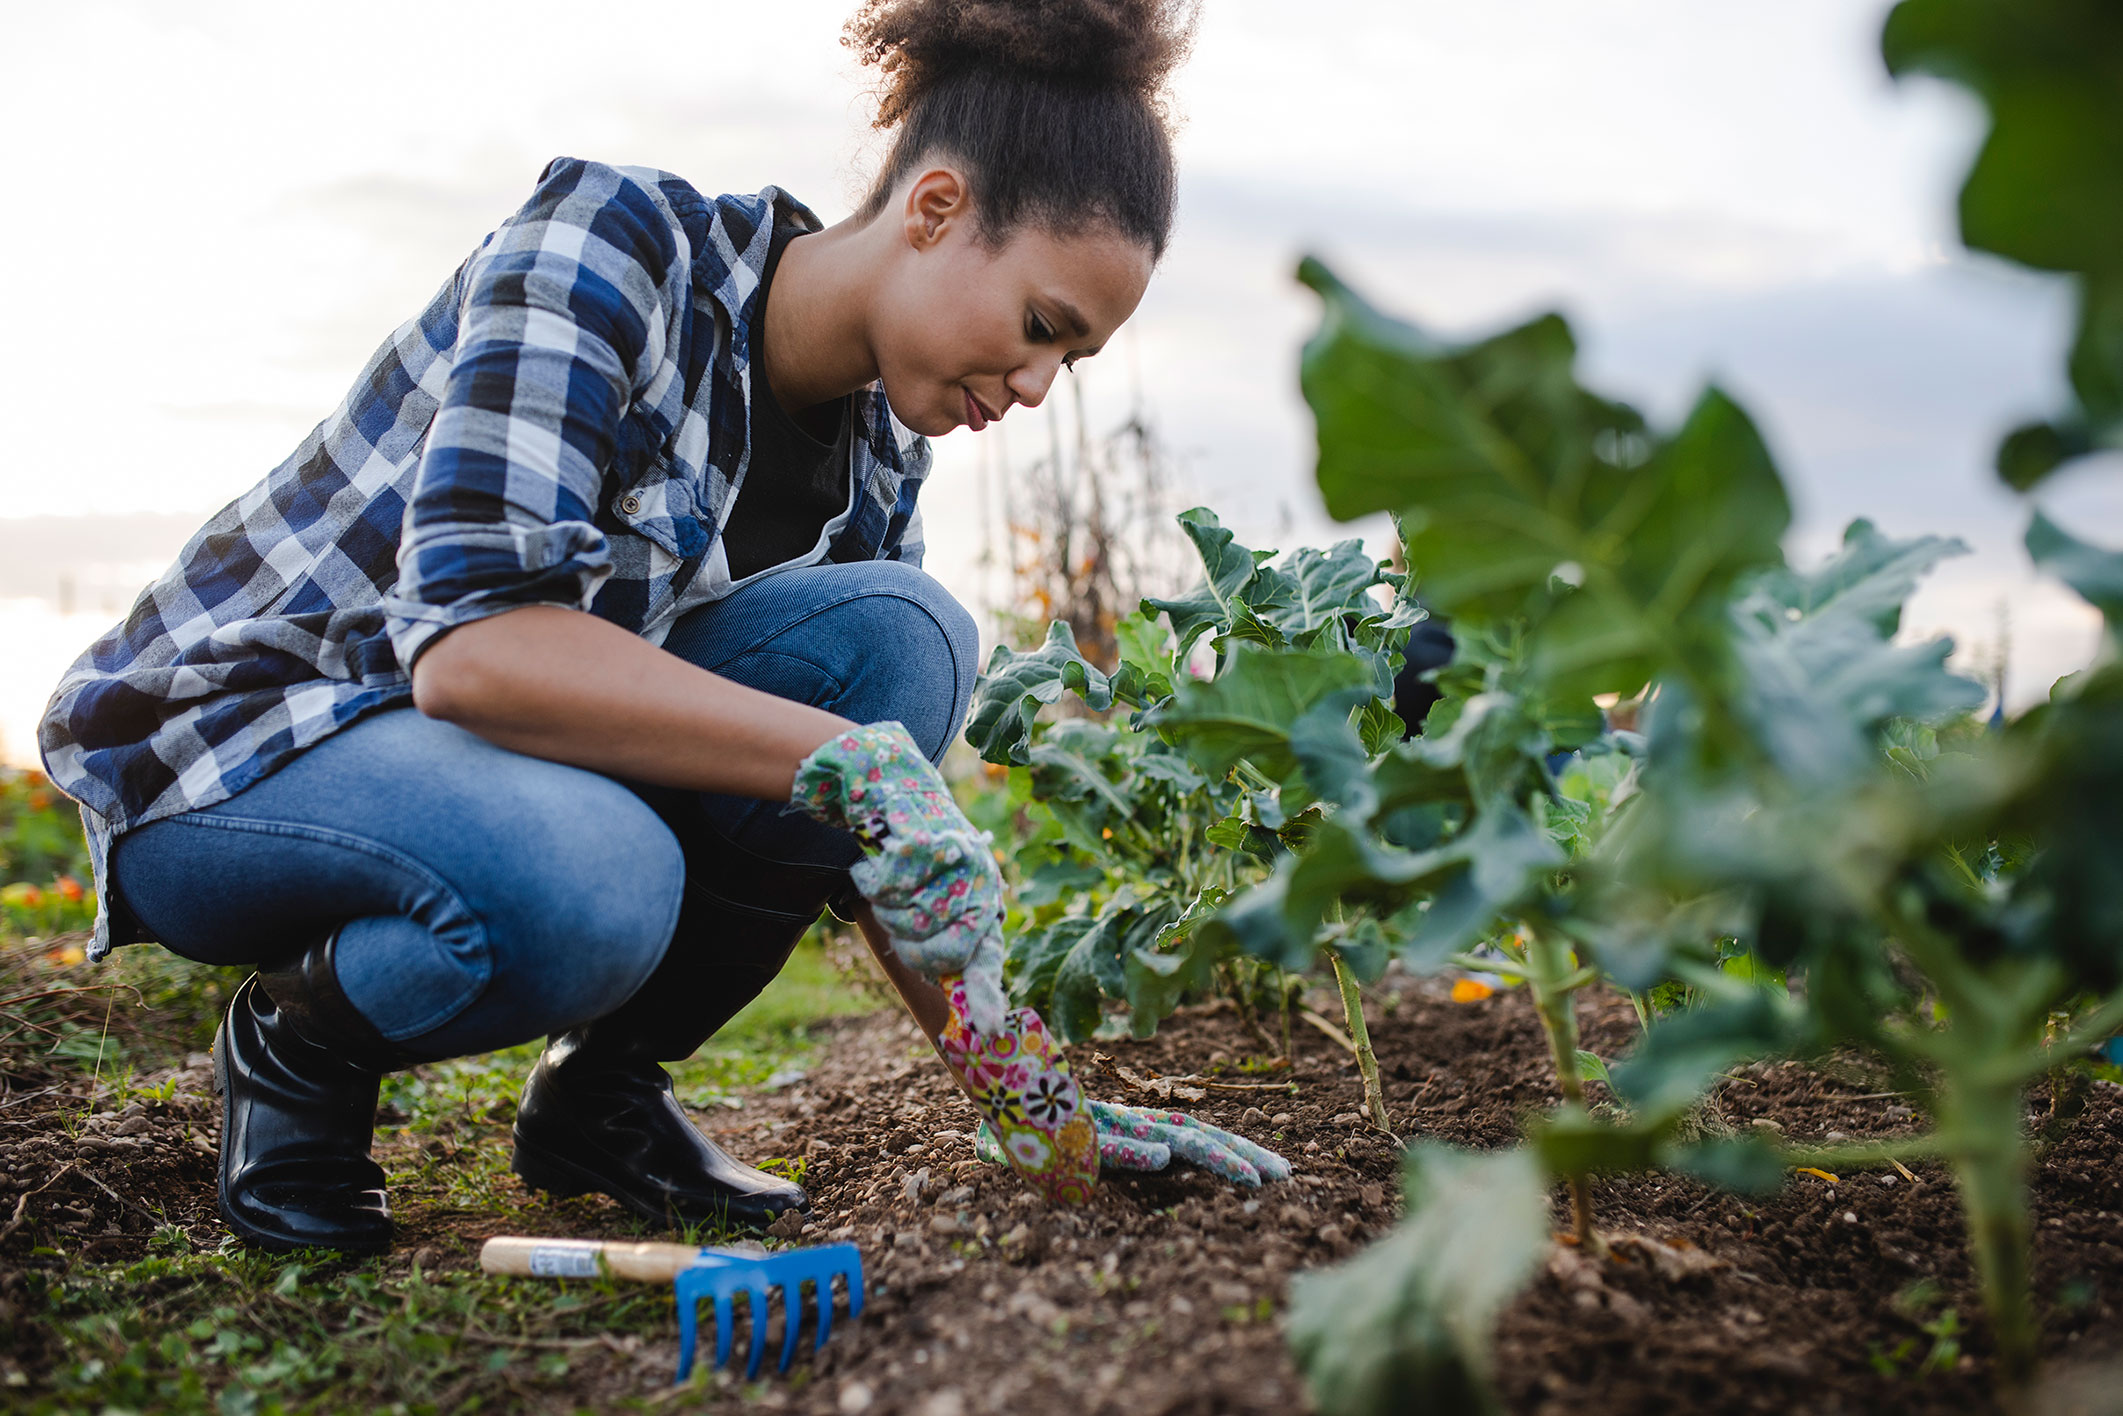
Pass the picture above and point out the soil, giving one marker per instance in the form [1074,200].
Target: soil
[1163,1297]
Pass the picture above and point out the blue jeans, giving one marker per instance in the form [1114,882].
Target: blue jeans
[485,898]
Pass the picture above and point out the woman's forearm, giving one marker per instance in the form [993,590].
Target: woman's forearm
[566,686]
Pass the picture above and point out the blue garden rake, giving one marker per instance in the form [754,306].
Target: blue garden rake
[720,1276]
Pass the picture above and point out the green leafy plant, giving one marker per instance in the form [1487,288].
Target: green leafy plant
[1137,832]
[1803,792]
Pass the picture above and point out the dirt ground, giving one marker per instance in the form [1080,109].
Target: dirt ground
[1164,1297]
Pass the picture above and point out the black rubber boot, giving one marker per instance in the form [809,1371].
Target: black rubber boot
[598,1113]
[297,1070]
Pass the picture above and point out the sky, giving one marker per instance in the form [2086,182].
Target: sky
[226,206]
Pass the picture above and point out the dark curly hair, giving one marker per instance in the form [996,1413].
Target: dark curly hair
[1055,108]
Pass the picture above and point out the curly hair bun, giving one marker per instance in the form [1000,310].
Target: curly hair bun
[1127,45]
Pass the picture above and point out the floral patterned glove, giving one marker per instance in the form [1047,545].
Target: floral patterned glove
[929,876]
[1031,1109]
[1135,1138]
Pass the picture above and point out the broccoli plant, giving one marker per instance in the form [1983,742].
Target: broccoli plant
[1143,829]
[1945,906]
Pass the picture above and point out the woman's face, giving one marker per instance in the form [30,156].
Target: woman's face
[966,332]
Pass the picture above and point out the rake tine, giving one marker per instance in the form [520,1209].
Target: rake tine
[825,1312]
[725,1319]
[855,1289]
[688,1328]
[791,1319]
[759,1330]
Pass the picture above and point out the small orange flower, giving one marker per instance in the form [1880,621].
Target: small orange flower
[22,895]
[1470,990]
[69,889]
[40,800]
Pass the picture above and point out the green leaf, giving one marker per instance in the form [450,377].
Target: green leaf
[1146,646]
[1592,1067]
[1682,1053]
[1507,474]
[1179,961]
[1228,568]
[1016,686]
[1094,970]
[1248,710]
[1821,673]
[1318,588]
[2096,574]
[2047,187]
[1408,1324]
[1035,956]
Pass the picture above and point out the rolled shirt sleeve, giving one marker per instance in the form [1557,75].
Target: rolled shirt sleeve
[568,315]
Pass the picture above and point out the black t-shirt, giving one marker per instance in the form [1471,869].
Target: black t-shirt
[797,481]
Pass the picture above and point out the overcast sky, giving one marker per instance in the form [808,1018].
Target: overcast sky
[218,209]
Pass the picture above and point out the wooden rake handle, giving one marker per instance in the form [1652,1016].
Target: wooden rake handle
[524,1257]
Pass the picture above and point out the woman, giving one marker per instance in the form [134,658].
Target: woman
[479,718]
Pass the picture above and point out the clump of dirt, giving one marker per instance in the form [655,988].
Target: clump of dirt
[1164,1296]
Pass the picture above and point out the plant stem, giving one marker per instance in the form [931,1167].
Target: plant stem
[1553,978]
[1366,1061]
[1990,1164]
[1282,995]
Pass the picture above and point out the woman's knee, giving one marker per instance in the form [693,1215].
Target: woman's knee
[920,656]
[594,926]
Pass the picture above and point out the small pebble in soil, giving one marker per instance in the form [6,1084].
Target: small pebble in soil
[1281,1118]
[962,1195]
[1372,1196]
[943,1224]
[855,1398]
[1312,1148]
[915,1183]
[1295,1216]
[1348,1118]
[1763,1123]
[1332,1235]
[1900,1113]
[1833,1137]
[1888,1181]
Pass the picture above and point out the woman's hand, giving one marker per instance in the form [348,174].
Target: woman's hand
[1136,1138]
[930,877]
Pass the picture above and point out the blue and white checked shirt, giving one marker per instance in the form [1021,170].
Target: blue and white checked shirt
[565,424]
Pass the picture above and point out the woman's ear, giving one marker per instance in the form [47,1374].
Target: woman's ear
[938,201]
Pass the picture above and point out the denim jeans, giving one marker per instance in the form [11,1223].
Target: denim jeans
[485,898]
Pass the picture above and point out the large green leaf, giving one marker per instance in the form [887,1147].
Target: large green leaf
[1016,686]
[1247,711]
[2096,574]
[1228,569]
[2047,188]
[1820,670]
[1319,587]
[1094,967]
[1513,484]
[1408,1324]
[1180,960]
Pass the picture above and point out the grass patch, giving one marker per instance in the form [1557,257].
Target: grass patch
[191,1329]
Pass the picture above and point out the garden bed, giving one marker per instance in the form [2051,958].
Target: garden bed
[1163,1297]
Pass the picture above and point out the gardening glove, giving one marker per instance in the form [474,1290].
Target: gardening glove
[1032,1111]
[1134,1138]
[929,876]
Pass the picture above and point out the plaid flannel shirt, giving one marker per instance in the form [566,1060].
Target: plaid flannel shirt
[565,423]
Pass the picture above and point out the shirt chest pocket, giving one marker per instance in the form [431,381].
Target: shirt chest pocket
[655,494]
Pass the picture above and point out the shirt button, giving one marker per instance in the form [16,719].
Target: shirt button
[630,504]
